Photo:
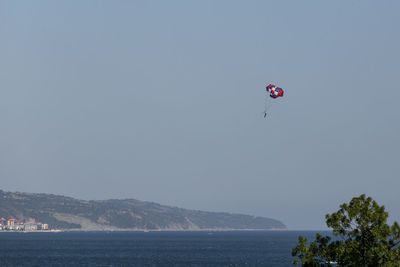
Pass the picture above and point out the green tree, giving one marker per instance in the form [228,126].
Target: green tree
[362,238]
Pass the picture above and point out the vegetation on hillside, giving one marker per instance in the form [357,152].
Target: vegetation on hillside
[123,214]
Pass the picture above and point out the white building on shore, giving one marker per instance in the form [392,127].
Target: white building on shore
[30,224]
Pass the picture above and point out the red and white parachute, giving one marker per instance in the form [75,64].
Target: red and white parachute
[274,92]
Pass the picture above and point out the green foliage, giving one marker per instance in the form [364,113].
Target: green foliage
[362,238]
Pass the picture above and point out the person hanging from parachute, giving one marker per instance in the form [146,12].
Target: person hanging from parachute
[274,92]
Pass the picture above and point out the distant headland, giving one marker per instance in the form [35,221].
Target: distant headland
[66,213]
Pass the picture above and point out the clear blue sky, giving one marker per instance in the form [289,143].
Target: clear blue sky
[163,100]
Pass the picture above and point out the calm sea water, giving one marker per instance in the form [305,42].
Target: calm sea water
[236,248]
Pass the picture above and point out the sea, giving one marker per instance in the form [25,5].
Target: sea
[154,248]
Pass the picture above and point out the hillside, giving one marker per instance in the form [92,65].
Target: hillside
[62,212]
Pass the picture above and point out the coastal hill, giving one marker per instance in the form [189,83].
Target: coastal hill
[62,212]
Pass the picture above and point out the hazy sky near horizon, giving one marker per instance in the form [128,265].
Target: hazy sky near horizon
[162,101]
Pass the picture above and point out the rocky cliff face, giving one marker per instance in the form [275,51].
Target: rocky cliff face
[62,212]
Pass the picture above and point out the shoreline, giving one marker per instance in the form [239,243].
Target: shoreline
[169,230]
[145,230]
[30,231]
